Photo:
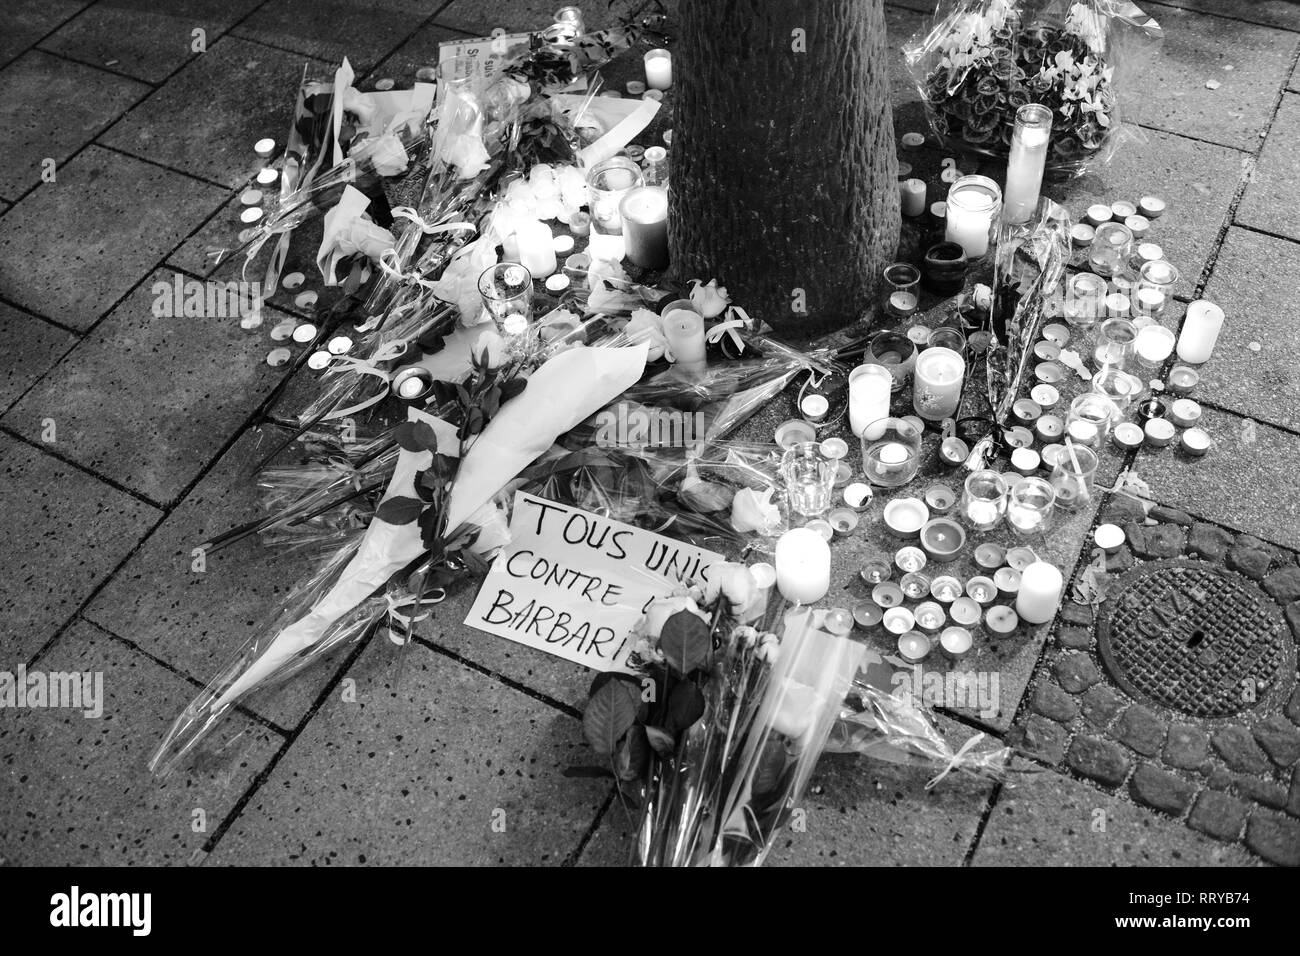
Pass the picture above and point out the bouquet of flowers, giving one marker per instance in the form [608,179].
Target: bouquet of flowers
[984,59]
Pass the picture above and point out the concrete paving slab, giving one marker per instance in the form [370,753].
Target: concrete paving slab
[363,32]
[433,764]
[1050,820]
[198,621]
[1274,190]
[1247,481]
[64,532]
[71,249]
[1274,13]
[247,91]
[481,17]
[33,348]
[26,21]
[1197,180]
[1255,280]
[144,39]
[79,792]
[51,108]
[179,387]
[1173,95]
[419,50]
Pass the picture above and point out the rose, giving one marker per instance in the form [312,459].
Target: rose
[661,609]
[709,300]
[488,340]
[646,326]
[753,511]
[731,581]
[384,154]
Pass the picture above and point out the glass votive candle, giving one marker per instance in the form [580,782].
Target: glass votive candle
[896,352]
[1117,385]
[1155,288]
[984,500]
[1095,411]
[1115,343]
[1085,300]
[1112,244]
[946,337]
[1029,505]
[607,183]
[893,456]
[974,203]
[1154,344]
[507,291]
[658,69]
[936,390]
[902,280]
[1072,478]
[809,477]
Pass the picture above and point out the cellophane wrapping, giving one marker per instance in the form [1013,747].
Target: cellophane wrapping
[981,60]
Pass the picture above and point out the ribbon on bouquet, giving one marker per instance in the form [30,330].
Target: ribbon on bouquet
[368,366]
[737,318]
[954,761]
[396,604]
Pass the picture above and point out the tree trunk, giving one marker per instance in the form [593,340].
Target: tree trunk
[784,173]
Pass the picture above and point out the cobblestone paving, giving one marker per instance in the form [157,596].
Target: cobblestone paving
[124,439]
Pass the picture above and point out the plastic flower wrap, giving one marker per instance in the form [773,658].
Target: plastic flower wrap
[983,59]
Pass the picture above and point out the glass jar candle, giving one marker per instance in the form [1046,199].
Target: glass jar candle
[893,456]
[1155,288]
[1153,345]
[1115,343]
[1110,250]
[974,203]
[896,352]
[1029,505]
[1117,385]
[644,213]
[1072,478]
[869,390]
[984,500]
[607,183]
[936,391]
[507,291]
[902,280]
[1085,301]
[1029,141]
[809,477]
[1095,413]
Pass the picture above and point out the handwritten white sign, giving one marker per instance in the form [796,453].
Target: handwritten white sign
[573,584]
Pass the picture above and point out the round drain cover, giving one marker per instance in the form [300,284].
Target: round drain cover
[1196,638]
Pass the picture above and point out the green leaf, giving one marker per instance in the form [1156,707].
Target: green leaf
[512,387]
[416,436]
[661,741]
[685,706]
[684,642]
[633,755]
[610,713]
[400,510]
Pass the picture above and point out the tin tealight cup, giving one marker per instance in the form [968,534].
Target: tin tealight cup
[965,611]
[956,642]
[982,590]
[876,571]
[929,616]
[940,499]
[915,585]
[887,594]
[945,588]
[867,613]
[990,556]
[910,559]
[913,646]
[1020,558]
[1001,620]
[1008,581]
[898,620]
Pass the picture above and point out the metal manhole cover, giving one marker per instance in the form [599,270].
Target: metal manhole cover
[1198,639]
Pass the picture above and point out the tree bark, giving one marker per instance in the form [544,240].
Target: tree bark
[784,172]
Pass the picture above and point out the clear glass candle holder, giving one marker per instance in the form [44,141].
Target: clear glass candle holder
[809,478]
[984,500]
[974,203]
[507,291]
[936,389]
[902,280]
[1085,300]
[896,352]
[1155,288]
[607,183]
[1117,385]
[1073,476]
[1095,411]
[891,457]
[1116,343]
[1112,244]
[946,337]
[1153,345]
[1029,505]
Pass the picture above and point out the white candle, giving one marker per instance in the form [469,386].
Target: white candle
[936,390]
[1040,592]
[973,202]
[869,390]
[658,69]
[1025,164]
[536,247]
[803,566]
[644,211]
[1154,342]
[1200,331]
[912,196]
[684,331]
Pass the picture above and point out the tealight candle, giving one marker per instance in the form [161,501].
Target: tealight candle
[1109,537]
[905,516]
[645,226]
[803,566]
[267,175]
[1183,379]
[915,585]
[684,331]
[956,642]
[1159,432]
[1185,412]
[887,594]
[868,613]
[1047,351]
[814,407]
[1021,558]
[965,611]
[910,559]
[1097,214]
[1007,581]
[940,499]
[264,147]
[1153,345]
[1127,436]
[1153,207]
[876,570]
[794,432]
[1041,585]
[1196,442]
[1049,427]
[982,590]
[1045,396]
[1001,619]
[899,620]
[658,69]
[945,588]
[1081,234]
[858,495]
[913,646]
[942,539]
[822,527]
[1025,460]
[989,556]
[929,616]
[843,521]
[1026,410]
[1200,332]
